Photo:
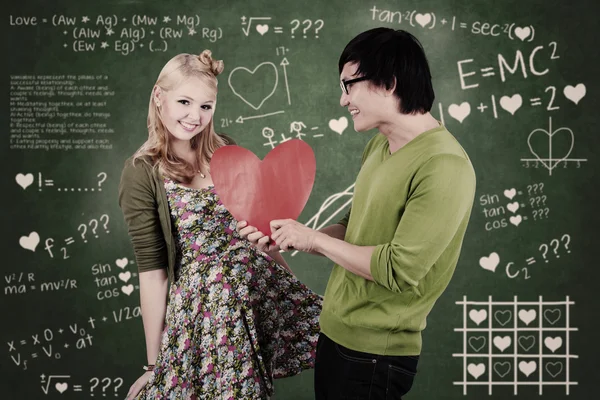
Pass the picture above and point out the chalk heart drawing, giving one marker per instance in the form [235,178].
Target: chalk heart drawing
[24,180]
[527,316]
[491,262]
[511,104]
[477,342]
[478,316]
[574,93]
[503,316]
[423,19]
[476,370]
[554,368]
[502,368]
[262,29]
[122,262]
[255,84]
[553,343]
[522,33]
[552,315]
[516,220]
[502,342]
[510,193]
[30,242]
[61,387]
[127,289]
[544,140]
[338,125]
[527,368]
[461,112]
[527,342]
[513,207]
[125,276]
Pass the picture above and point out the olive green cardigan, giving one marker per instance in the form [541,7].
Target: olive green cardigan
[143,200]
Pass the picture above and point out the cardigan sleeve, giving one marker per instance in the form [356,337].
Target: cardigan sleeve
[137,199]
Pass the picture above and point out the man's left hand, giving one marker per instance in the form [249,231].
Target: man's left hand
[290,234]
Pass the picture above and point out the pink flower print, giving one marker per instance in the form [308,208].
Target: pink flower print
[223,339]
[185,215]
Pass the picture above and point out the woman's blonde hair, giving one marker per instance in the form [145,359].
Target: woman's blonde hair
[157,149]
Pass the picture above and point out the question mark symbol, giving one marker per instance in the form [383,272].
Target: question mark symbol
[568,241]
[105,386]
[84,232]
[531,201]
[535,187]
[528,189]
[95,223]
[105,223]
[545,247]
[547,210]
[555,249]
[101,180]
[537,200]
[93,387]
[544,200]
[295,27]
[307,27]
[119,385]
[534,214]
[322,23]
[541,187]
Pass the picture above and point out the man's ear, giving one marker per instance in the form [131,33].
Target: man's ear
[392,89]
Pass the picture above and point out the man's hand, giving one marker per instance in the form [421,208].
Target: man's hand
[256,237]
[290,234]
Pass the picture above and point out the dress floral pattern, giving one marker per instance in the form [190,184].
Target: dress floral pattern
[235,319]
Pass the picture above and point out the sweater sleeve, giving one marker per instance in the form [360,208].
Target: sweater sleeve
[441,197]
[138,204]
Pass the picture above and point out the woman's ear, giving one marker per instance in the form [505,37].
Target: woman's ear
[156,95]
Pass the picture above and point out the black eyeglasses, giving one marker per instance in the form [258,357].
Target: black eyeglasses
[344,83]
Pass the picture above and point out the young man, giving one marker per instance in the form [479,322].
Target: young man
[398,246]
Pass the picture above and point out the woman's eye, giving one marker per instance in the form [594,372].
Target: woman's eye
[184,102]
[206,107]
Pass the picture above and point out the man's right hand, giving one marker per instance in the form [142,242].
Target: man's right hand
[138,385]
[256,237]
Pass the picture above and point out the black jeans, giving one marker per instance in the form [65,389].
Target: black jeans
[341,373]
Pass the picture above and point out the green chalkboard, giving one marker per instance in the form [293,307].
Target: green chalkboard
[516,82]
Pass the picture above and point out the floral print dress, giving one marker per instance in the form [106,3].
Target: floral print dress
[235,319]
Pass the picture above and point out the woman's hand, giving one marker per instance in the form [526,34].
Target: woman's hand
[256,237]
[138,385]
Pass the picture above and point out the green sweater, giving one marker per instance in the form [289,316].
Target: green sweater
[414,206]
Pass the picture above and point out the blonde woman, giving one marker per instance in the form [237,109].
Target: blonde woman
[221,318]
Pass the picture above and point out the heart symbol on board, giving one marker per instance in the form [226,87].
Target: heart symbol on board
[125,276]
[502,343]
[553,343]
[511,104]
[461,112]
[423,19]
[554,368]
[546,141]
[338,125]
[254,84]
[552,315]
[478,316]
[30,242]
[503,316]
[122,262]
[476,370]
[477,342]
[61,387]
[513,207]
[522,33]
[490,263]
[127,289]
[527,316]
[526,342]
[24,180]
[510,193]
[262,29]
[527,368]
[516,220]
[574,93]
[502,368]
[258,191]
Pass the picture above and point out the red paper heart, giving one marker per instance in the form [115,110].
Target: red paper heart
[260,191]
